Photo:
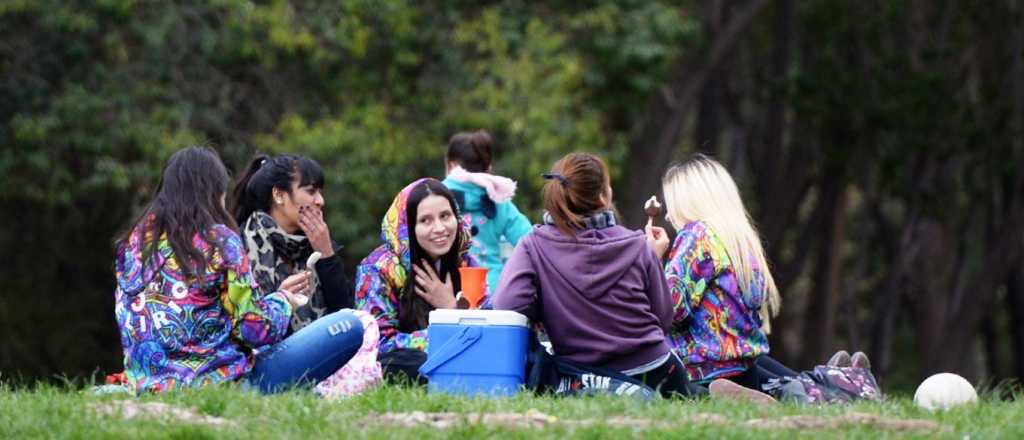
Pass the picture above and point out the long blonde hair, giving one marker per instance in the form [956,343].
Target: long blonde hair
[701,189]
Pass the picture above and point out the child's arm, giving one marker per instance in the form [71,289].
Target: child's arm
[516,225]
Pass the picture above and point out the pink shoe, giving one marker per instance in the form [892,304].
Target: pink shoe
[840,359]
[860,360]
[728,390]
[362,372]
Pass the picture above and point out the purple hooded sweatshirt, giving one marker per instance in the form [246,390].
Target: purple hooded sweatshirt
[602,296]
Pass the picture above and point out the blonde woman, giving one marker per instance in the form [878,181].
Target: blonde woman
[722,290]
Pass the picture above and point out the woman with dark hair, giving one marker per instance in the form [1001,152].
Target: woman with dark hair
[414,271]
[595,286]
[188,310]
[485,201]
[278,204]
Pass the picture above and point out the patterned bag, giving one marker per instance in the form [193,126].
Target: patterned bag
[362,372]
[826,385]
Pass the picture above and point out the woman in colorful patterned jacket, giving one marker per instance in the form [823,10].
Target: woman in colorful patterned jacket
[414,271]
[722,290]
[190,313]
[279,206]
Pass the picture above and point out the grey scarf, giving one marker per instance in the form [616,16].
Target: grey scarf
[597,220]
[275,255]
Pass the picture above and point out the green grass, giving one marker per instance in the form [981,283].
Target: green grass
[55,412]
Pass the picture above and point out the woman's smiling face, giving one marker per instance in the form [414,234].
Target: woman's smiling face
[436,225]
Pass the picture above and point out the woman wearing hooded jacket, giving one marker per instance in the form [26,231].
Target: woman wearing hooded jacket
[597,287]
[414,271]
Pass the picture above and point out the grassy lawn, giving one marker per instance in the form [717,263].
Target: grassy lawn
[384,413]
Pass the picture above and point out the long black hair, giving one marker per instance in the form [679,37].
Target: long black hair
[255,189]
[413,310]
[186,202]
[471,150]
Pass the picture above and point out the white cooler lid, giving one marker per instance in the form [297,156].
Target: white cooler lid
[478,317]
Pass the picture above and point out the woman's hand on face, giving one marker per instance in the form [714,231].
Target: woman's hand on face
[429,286]
[297,283]
[311,221]
[657,239]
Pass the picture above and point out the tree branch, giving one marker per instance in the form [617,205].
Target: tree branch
[661,130]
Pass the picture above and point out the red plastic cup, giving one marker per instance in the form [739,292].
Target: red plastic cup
[474,281]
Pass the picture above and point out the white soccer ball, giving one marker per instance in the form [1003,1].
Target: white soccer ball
[943,391]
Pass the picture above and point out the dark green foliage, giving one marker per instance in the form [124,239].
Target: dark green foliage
[880,153]
[95,95]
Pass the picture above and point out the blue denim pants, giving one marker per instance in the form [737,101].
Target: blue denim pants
[310,355]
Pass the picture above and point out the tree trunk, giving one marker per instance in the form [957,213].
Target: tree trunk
[660,131]
[821,306]
[705,137]
[709,116]
[888,296]
[929,295]
[1015,301]
[990,340]
[771,155]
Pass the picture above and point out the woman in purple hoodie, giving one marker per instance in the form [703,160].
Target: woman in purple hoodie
[596,287]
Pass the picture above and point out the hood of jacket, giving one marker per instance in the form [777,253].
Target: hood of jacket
[394,233]
[498,189]
[593,261]
[132,273]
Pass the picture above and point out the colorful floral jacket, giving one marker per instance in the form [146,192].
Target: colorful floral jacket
[381,276]
[715,331]
[179,332]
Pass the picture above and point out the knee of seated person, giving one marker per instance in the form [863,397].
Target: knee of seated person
[344,322]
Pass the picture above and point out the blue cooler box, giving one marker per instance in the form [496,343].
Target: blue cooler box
[476,352]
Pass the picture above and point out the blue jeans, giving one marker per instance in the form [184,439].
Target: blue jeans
[309,355]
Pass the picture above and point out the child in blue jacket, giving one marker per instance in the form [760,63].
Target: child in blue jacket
[485,201]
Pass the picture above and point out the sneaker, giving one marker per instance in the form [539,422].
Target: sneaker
[860,360]
[729,390]
[840,359]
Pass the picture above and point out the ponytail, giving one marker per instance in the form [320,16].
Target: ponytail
[243,201]
[574,190]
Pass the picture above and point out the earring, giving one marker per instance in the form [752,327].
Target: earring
[279,201]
